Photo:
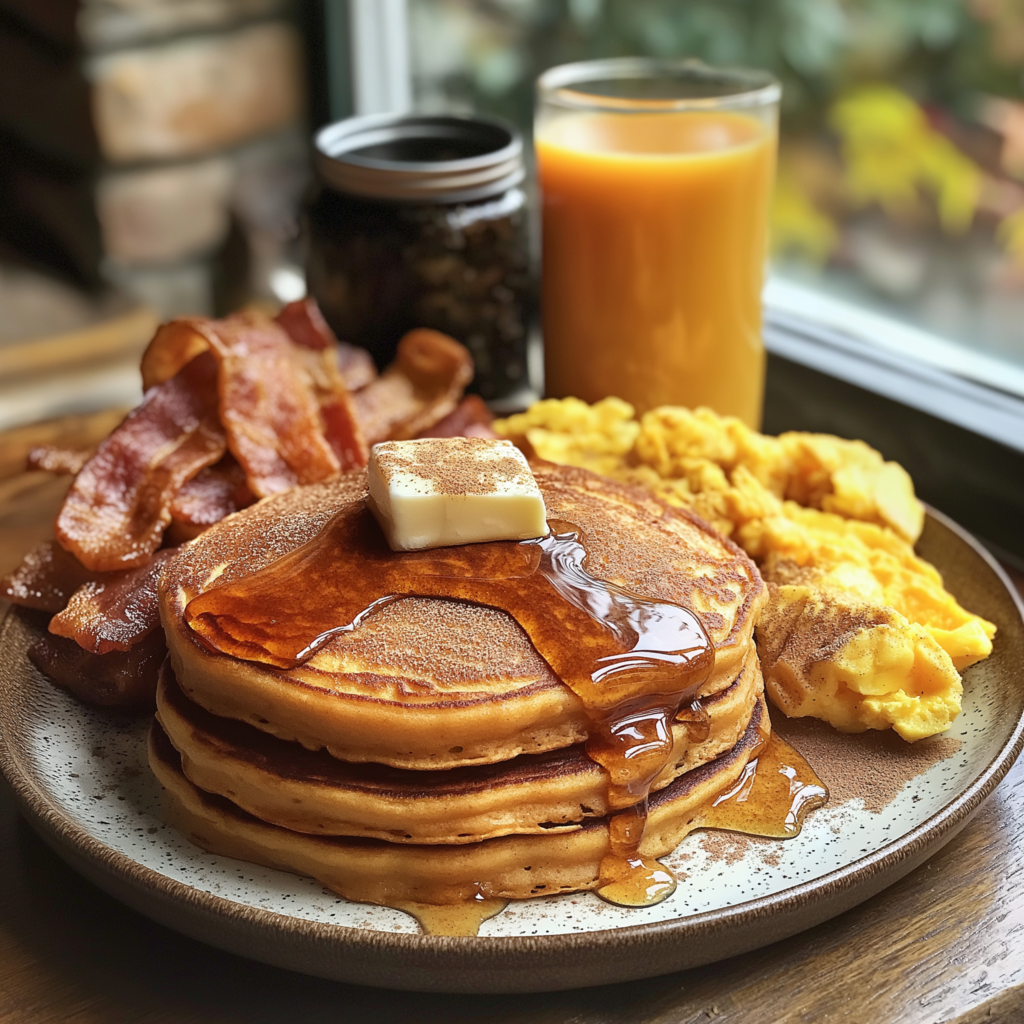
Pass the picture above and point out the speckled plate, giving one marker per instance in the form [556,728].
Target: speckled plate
[81,779]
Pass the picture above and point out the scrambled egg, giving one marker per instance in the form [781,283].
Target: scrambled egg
[857,664]
[860,631]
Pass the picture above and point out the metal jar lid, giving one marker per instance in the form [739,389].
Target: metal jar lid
[437,159]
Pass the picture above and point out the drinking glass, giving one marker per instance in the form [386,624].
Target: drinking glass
[655,179]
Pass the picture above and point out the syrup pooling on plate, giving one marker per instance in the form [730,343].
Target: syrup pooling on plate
[772,796]
[633,661]
[462,918]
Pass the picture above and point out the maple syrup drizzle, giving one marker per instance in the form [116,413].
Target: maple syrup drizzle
[633,661]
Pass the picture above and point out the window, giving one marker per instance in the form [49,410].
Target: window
[901,171]
[897,265]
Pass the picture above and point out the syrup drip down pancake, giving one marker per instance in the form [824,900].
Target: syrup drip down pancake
[311,791]
[511,867]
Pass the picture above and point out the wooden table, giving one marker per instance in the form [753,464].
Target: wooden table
[944,944]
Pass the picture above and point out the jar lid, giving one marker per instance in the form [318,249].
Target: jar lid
[424,158]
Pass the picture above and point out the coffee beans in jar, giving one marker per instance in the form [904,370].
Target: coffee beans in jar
[420,221]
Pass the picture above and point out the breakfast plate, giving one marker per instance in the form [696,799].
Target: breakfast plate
[81,778]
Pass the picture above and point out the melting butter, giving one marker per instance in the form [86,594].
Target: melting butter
[441,491]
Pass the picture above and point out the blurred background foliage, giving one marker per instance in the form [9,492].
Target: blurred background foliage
[902,156]
[488,52]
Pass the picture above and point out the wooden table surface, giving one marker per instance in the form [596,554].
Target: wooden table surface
[944,944]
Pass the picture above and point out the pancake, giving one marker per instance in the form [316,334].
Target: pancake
[510,867]
[313,792]
[430,683]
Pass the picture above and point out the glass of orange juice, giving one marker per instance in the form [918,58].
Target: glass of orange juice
[655,178]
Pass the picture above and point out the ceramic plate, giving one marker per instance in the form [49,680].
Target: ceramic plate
[82,780]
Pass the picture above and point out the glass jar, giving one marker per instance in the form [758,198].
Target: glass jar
[420,221]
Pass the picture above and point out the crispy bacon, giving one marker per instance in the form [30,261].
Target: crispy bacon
[305,325]
[325,361]
[179,341]
[264,377]
[343,432]
[421,387]
[113,613]
[115,514]
[267,405]
[471,418]
[46,579]
[102,612]
[48,458]
[120,679]
[337,413]
[356,365]
[218,491]
[173,347]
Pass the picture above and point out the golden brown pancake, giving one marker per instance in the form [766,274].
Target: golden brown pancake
[510,867]
[434,683]
[313,792]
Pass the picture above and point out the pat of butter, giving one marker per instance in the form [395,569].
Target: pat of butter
[440,491]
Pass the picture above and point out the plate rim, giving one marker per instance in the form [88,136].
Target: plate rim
[942,825]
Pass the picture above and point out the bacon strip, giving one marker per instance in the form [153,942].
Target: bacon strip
[46,579]
[267,405]
[179,341]
[115,514]
[341,429]
[471,418]
[217,492]
[120,679]
[48,458]
[265,375]
[420,388]
[323,358]
[356,365]
[114,613]
[305,325]
[173,347]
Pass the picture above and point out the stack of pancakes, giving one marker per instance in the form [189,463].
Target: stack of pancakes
[431,755]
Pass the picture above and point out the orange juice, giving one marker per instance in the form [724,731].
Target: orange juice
[654,236]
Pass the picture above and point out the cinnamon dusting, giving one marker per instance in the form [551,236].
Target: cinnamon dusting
[873,765]
[466,466]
